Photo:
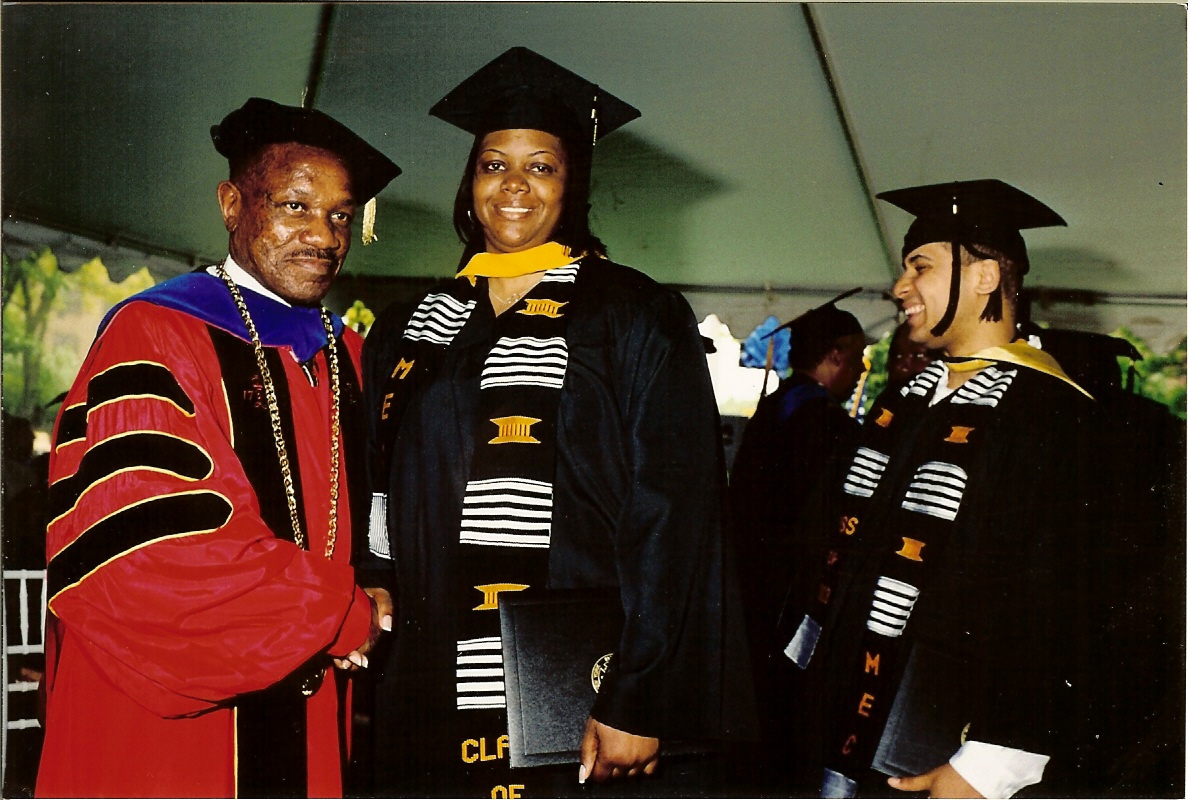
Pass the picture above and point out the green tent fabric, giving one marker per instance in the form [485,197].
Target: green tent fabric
[767,129]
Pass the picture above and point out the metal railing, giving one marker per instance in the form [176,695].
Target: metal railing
[31,629]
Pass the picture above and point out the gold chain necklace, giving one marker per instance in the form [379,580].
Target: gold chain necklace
[278,437]
[509,301]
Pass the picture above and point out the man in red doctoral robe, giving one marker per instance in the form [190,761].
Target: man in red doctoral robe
[205,492]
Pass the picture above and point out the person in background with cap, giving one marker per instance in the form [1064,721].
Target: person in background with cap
[779,472]
[206,489]
[950,641]
[544,421]
[906,359]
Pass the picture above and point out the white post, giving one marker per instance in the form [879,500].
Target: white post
[3,677]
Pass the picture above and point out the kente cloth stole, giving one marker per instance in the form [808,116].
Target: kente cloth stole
[437,319]
[505,526]
[509,494]
[902,494]
[519,393]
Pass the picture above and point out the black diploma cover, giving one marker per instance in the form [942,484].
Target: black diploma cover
[926,725]
[556,648]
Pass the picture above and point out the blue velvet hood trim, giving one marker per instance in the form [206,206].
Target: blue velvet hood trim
[205,297]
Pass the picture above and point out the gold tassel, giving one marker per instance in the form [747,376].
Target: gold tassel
[767,366]
[369,223]
[856,398]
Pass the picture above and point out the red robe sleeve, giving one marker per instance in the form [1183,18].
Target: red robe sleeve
[161,568]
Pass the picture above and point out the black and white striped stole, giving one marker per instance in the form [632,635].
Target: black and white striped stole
[509,494]
[430,330]
[528,361]
[905,487]
[505,524]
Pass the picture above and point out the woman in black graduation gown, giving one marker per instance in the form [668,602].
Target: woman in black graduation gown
[546,421]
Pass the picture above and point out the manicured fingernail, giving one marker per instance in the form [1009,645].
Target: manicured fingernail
[355,659]
[582,774]
[386,622]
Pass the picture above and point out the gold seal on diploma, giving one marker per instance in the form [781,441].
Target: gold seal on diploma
[599,671]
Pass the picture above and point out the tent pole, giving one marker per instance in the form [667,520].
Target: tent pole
[843,118]
[317,60]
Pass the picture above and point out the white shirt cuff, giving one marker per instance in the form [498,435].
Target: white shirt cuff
[997,771]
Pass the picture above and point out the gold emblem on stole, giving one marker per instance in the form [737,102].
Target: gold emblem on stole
[884,418]
[911,549]
[491,594]
[517,430]
[959,435]
[542,308]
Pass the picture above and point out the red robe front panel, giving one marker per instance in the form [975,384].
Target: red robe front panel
[171,598]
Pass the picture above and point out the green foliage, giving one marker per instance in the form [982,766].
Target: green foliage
[49,318]
[31,287]
[876,376]
[1160,377]
[359,317]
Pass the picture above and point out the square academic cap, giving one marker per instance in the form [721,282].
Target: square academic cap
[261,122]
[523,89]
[825,322]
[987,212]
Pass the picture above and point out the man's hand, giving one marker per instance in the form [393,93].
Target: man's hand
[611,753]
[381,622]
[944,781]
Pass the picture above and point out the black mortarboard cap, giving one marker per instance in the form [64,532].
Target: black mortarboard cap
[523,89]
[987,212]
[261,122]
[825,322]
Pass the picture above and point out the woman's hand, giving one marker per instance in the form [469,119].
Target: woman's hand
[611,753]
